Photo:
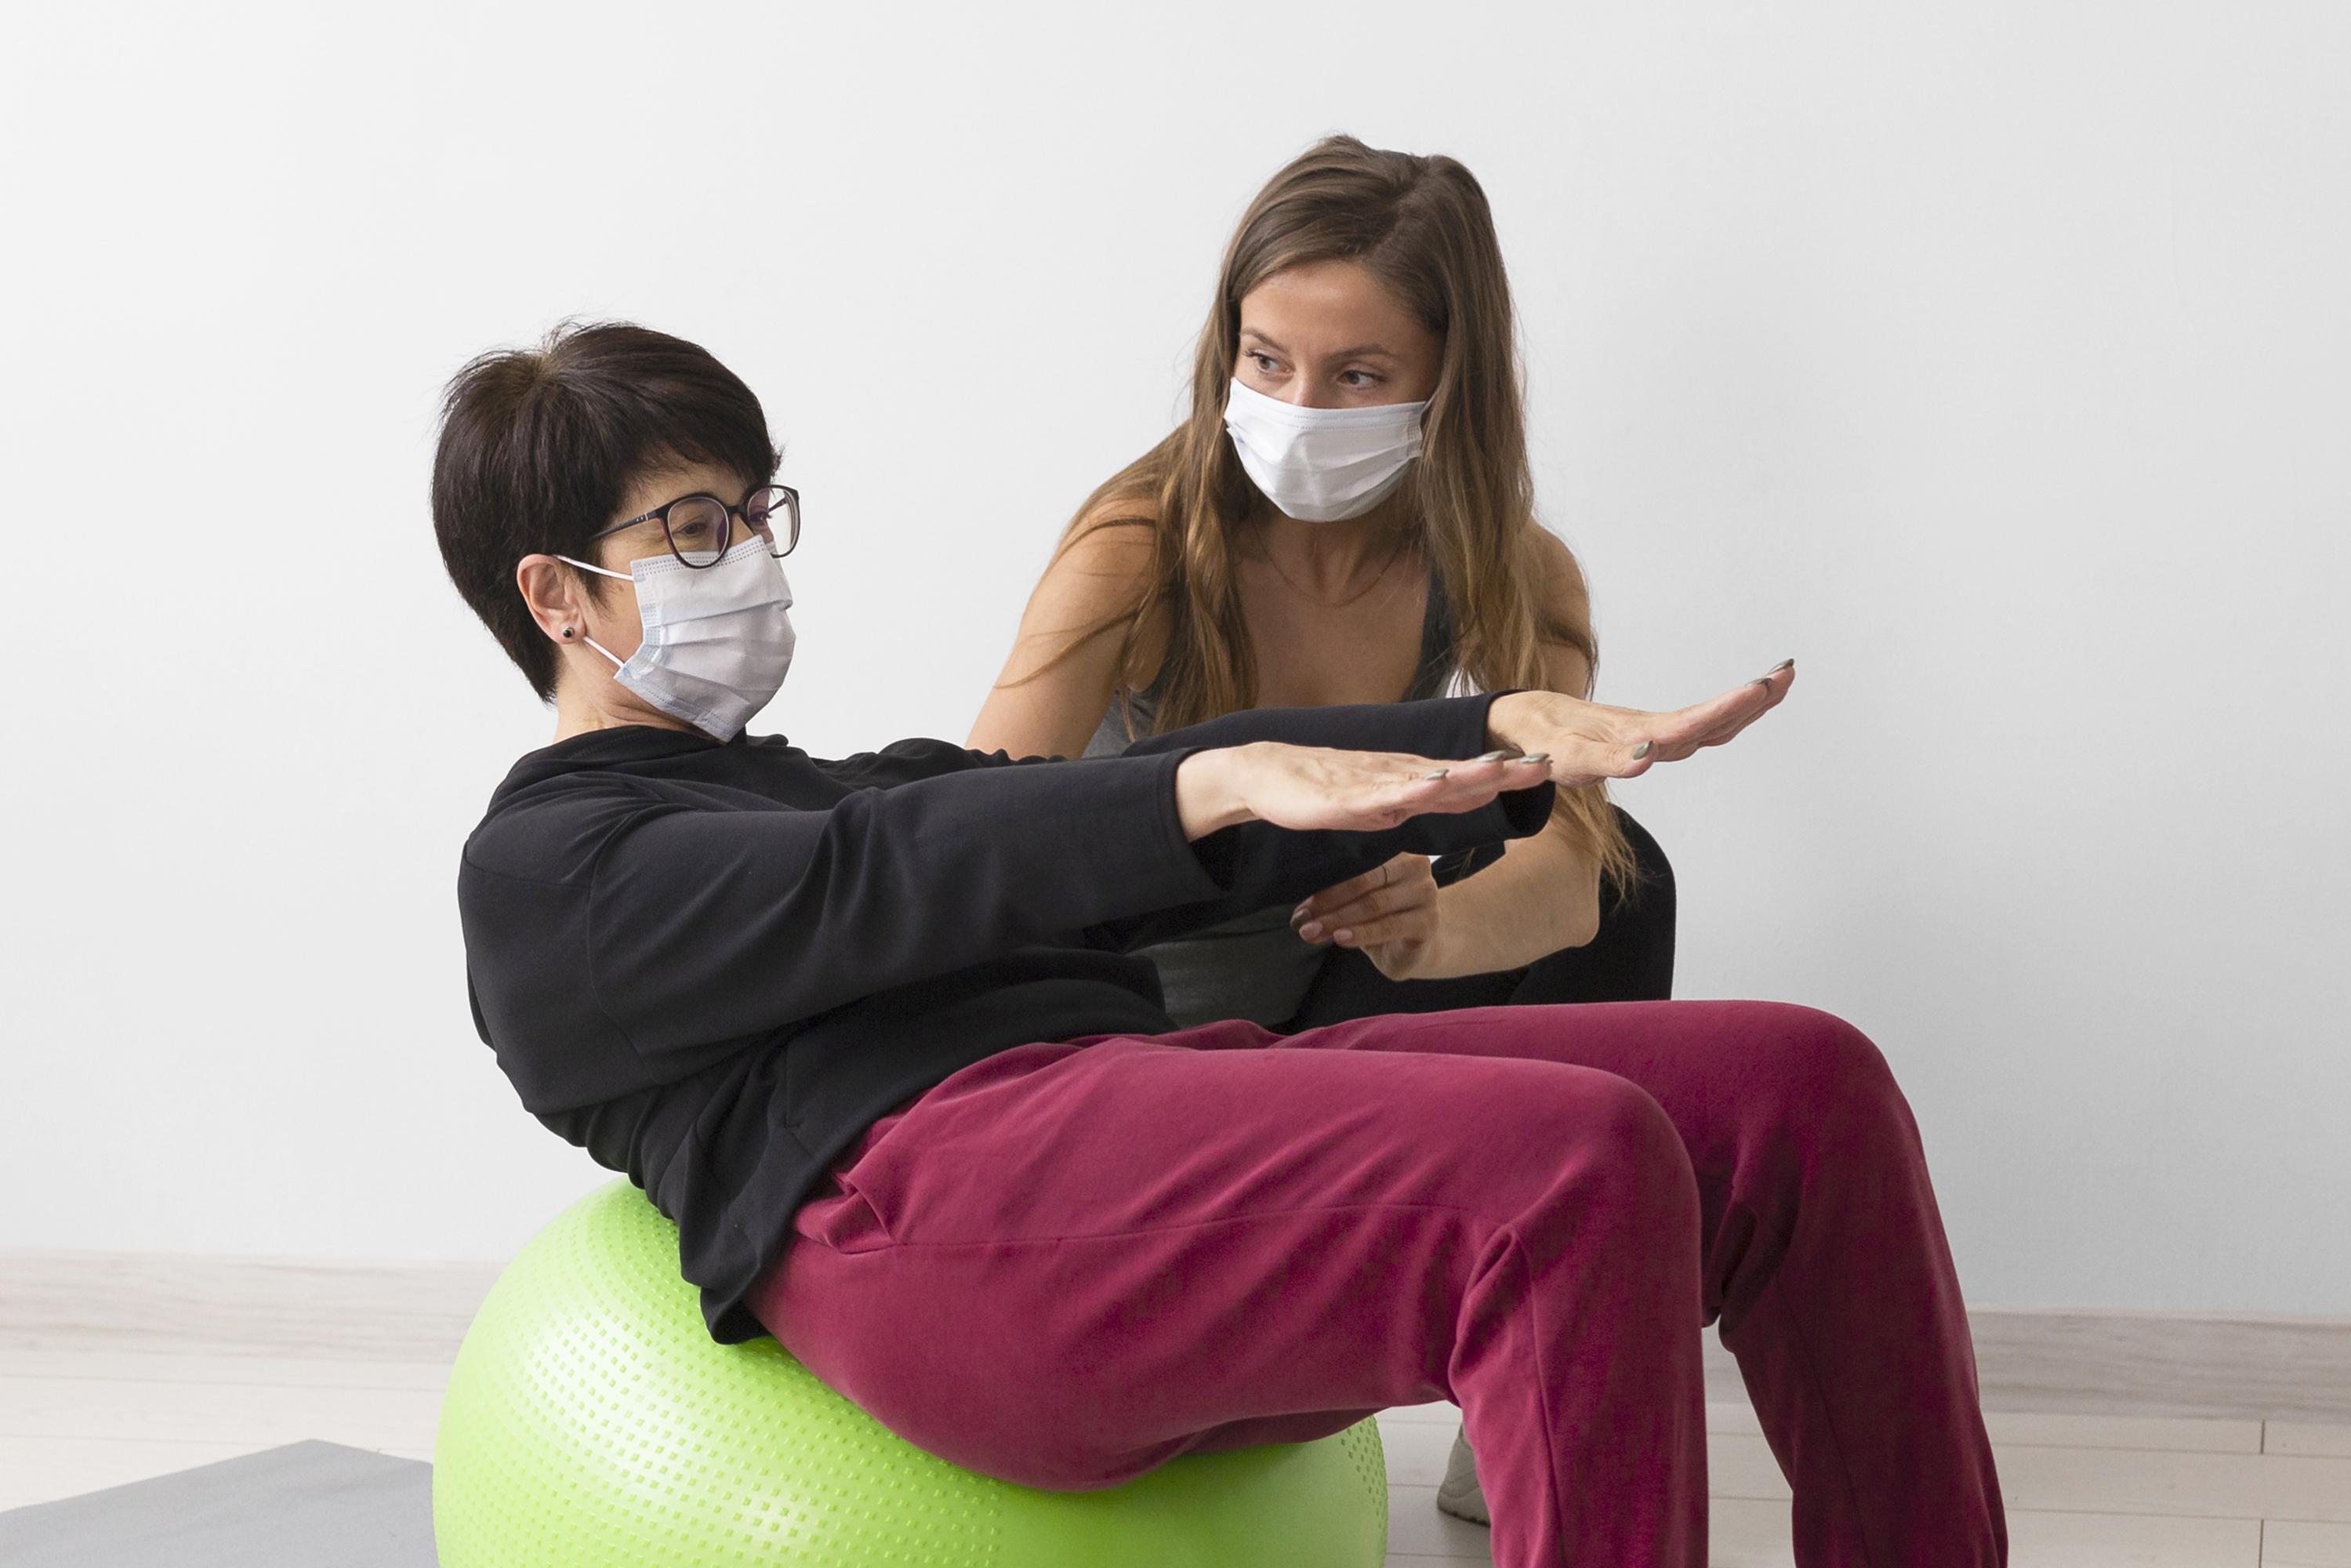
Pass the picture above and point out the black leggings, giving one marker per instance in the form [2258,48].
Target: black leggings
[1631,959]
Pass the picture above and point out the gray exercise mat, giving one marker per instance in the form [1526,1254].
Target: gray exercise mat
[306,1505]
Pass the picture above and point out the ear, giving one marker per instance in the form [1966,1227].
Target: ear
[553,594]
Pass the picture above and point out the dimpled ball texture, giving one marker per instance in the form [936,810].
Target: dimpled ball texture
[592,1422]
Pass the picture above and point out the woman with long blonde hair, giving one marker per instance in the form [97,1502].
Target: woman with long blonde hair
[1346,516]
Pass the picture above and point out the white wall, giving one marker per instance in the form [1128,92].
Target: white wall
[1993,362]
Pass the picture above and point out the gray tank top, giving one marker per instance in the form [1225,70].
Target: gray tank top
[1255,968]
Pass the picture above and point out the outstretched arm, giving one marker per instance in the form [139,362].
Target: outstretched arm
[1260,862]
[678,926]
[1516,919]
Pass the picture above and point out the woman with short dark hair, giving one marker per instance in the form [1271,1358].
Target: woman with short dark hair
[868,1030]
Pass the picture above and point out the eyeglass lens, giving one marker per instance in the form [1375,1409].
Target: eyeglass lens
[775,516]
[700,531]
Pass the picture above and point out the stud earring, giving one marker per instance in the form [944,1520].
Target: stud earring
[567,631]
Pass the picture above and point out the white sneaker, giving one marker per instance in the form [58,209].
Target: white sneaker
[1460,1495]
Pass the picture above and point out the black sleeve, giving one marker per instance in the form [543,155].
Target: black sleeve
[705,925]
[693,924]
[1256,864]
[1432,726]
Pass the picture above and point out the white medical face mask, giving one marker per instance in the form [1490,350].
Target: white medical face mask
[1323,464]
[718,639]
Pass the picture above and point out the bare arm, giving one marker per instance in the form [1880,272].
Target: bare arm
[1542,895]
[1544,892]
[1062,671]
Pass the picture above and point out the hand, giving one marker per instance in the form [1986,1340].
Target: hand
[1389,913]
[1312,786]
[1585,742]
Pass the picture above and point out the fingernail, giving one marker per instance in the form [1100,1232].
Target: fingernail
[1491,757]
[1536,756]
[1761,681]
[1783,665]
[1438,774]
[1640,751]
[1342,937]
[1311,931]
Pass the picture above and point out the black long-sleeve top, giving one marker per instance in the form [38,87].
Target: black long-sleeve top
[713,965]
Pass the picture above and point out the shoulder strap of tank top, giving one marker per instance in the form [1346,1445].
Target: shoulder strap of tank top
[1435,671]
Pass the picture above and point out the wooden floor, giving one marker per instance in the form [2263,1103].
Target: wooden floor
[2083,1491]
[87,1403]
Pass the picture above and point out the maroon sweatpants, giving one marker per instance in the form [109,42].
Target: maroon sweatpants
[1071,1262]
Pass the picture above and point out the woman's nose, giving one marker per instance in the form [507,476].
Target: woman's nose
[1305,393]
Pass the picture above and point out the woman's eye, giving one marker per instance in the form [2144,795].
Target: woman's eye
[1264,362]
[1360,379]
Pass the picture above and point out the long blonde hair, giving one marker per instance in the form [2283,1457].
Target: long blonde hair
[1421,226]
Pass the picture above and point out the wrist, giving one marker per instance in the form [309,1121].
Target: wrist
[1210,792]
[1442,958]
[1509,720]
[1450,953]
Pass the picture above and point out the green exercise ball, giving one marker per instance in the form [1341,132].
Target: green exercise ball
[592,1422]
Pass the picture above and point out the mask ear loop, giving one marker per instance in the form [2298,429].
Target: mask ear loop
[601,571]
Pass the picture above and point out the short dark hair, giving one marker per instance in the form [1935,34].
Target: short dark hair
[538,446]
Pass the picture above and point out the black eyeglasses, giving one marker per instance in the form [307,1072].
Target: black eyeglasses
[700,527]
